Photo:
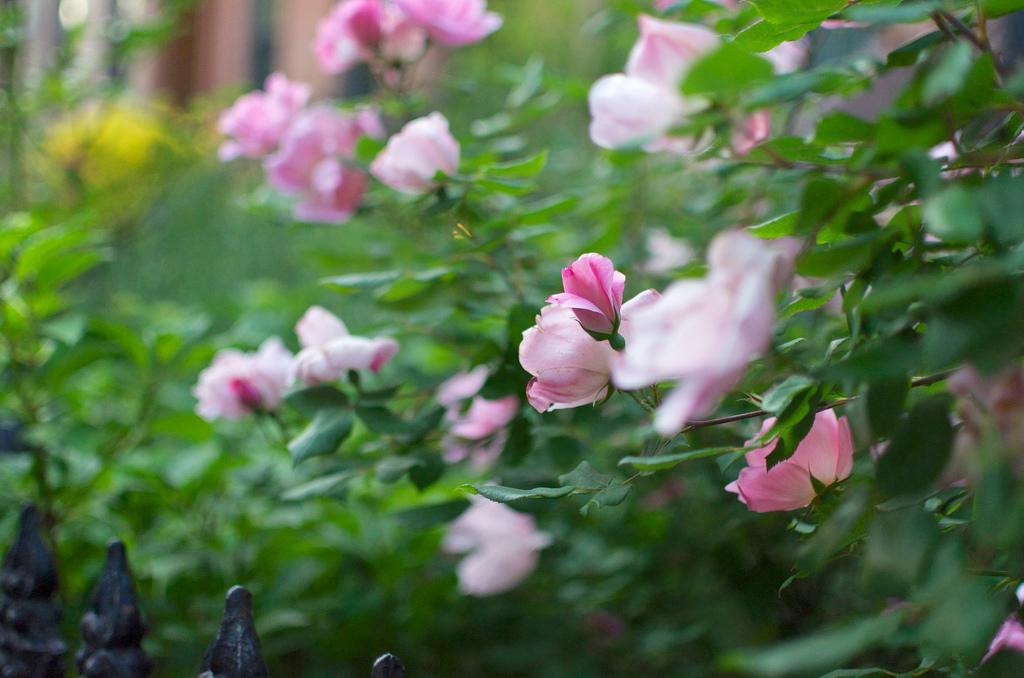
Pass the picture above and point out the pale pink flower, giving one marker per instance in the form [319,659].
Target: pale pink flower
[789,56]
[452,22]
[756,128]
[1010,635]
[312,162]
[985,404]
[666,253]
[237,383]
[364,30]
[569,367]
[502,547]
[462,386]
[256,122]
[705,332]
[485,417]
[593,290]
[826,453]
[627,112]
[665,50]
[414,156]
[641,106]
[478,433]
[329,351]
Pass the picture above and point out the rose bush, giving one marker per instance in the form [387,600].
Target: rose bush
[791,447]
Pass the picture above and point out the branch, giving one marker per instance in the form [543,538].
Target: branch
[916,382]
[950,25]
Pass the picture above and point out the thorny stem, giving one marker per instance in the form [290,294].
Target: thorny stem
[705,423]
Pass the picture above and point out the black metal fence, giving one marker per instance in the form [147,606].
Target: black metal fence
[31,645]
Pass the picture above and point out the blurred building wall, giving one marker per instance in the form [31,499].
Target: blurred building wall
[216,44]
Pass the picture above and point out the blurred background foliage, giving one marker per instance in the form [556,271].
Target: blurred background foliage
[130,255]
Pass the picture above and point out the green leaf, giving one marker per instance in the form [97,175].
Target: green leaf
[817,652]
[613,495]
[842,528]
[429,515]
[519,442]
[893,12]
[949,74]
[908,54]
[884,401]
[367,148]
[309,401]
[764,35]
[794,12]
[323,435]
[997,8]
[847,256]
[333,485]
[428,472]
[726,71]
[380,419]
[778,227]
[361,281]
[391,469]
[779,398]
[841,127]
[585,478]
[919,451]
[507,186]
[660,462]
[899,546]
[524,168]
[506,494]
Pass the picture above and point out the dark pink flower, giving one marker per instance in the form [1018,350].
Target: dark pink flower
[236,383]
[825,453]
[593,290]
[257,121]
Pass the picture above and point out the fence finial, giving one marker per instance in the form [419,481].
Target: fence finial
[113,628]
[388,666]
[30,640]
[235,652]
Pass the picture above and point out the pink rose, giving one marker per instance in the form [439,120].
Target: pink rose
[479,432]
[665,252]
[756,128]
[826,453]
[312,162]
[485,417]
[363,30]
[256,122]
[704,332]
[593,290]
[789,56]
[414,156]
[462,386]
[1010,635]
[237,383]
[329,351]
[502,547]
[641,106]
[665,50]
[627,112]
[569,367]
[986,404]
[452,22]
